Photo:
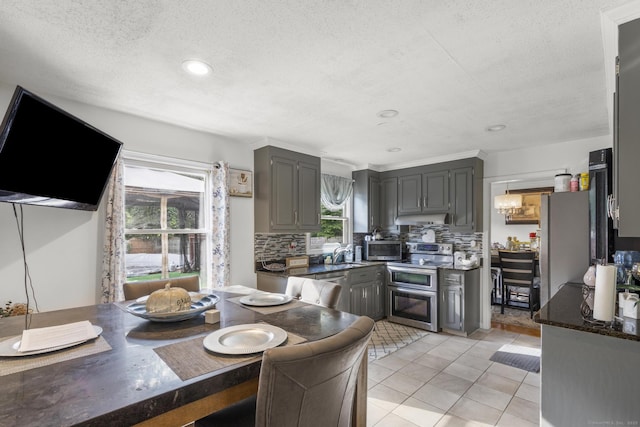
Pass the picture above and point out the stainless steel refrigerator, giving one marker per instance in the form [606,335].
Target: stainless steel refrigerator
[564,242]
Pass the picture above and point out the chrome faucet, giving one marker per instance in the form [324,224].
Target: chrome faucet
[340,250]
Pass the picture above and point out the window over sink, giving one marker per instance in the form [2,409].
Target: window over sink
[334,232]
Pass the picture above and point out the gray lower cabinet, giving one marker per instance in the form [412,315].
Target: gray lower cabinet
[366,289]
[363,288]
[460,301]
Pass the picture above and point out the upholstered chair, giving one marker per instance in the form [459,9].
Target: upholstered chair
[308,385]
[134,290]
[319,292]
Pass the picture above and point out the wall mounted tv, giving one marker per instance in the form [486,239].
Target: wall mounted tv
[48,157]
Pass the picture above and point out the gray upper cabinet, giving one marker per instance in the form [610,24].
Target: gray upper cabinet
[409,194]
[626,150]
[389,204]
[366,200]
[435,194]
[287,191]
[465,196]
[453,187]
[461,214]
[423,193]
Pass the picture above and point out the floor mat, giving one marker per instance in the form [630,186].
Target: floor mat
[388,337]
[526,358]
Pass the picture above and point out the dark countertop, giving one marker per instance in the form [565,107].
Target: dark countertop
[321,268]
[563,310]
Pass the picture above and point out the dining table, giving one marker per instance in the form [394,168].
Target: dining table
[149,373]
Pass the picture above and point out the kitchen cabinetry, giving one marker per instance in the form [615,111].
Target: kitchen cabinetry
[626,150]
[465,195]
[389,204]
[462,212]
[366,290]
[366,200]
[460,301]
[423,193]
[363,289]
[287,191]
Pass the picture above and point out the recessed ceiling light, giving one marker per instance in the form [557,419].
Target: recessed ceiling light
[196,67]
[394,149]
[495,128]
[386,114]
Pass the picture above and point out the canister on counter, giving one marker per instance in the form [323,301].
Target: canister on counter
[562,181]
[584,181]
[575,183]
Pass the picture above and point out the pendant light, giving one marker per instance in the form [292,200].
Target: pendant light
[508,204]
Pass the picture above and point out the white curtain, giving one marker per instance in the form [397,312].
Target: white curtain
[113,267]
[335,191]
[220,240]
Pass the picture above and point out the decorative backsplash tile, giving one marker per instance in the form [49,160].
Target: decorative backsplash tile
[269,247]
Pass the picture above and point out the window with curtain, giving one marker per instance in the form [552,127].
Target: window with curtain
[335,198]
[167,226]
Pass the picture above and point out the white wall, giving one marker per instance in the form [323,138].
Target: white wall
[64,247]
[532,168]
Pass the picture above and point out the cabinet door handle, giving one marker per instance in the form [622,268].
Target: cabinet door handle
[295,217]
[424,201]
[419,202]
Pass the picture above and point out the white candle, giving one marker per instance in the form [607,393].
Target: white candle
[605,293]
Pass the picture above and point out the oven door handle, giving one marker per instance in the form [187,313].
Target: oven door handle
[411,270]
[411,290]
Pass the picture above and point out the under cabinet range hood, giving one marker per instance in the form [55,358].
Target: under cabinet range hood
[421,219]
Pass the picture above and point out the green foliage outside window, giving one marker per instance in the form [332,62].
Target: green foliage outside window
[330,228]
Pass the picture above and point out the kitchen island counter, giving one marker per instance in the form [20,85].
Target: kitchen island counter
[563,310]
[587,374]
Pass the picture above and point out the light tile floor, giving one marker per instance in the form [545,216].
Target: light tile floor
[446,380]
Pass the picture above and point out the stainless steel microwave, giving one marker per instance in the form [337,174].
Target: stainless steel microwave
[383,250]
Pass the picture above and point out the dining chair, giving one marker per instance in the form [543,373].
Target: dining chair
[319,292]
[311,384]
[519,287]
[134,290]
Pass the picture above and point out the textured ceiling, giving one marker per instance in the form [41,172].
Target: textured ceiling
[313,74]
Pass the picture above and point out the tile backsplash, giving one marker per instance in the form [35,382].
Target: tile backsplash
[269,246]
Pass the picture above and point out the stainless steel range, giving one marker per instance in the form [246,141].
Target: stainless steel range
[412,285]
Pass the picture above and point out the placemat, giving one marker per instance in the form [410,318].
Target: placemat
[11,365]
[269,309]
[189,359]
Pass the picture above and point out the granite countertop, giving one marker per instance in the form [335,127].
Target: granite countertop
[563,310]
[321,268]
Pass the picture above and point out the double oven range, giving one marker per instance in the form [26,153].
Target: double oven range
[412,285]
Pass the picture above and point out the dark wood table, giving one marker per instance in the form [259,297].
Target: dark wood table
[130,384]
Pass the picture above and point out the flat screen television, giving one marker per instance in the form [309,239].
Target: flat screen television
[49,157]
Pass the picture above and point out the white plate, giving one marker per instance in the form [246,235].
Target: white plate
[197,307]
[9,347]
[265,299]
[245,339]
